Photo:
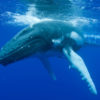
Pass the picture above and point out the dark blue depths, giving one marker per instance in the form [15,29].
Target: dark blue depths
[28,80]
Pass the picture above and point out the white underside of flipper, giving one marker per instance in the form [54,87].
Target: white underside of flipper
[78,63]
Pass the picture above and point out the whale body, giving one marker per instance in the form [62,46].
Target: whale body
[45,36]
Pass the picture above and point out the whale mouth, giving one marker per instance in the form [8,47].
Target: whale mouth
[13,52]
[11,56]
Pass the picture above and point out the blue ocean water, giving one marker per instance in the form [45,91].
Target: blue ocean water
[27,79]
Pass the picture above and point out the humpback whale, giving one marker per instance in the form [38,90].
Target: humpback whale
[55,36]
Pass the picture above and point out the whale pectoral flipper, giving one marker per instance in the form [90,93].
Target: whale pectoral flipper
[46,64]
[78,63]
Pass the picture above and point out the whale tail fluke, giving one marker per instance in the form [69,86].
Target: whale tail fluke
[77,62]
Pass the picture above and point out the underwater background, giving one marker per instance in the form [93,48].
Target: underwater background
[27,79]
